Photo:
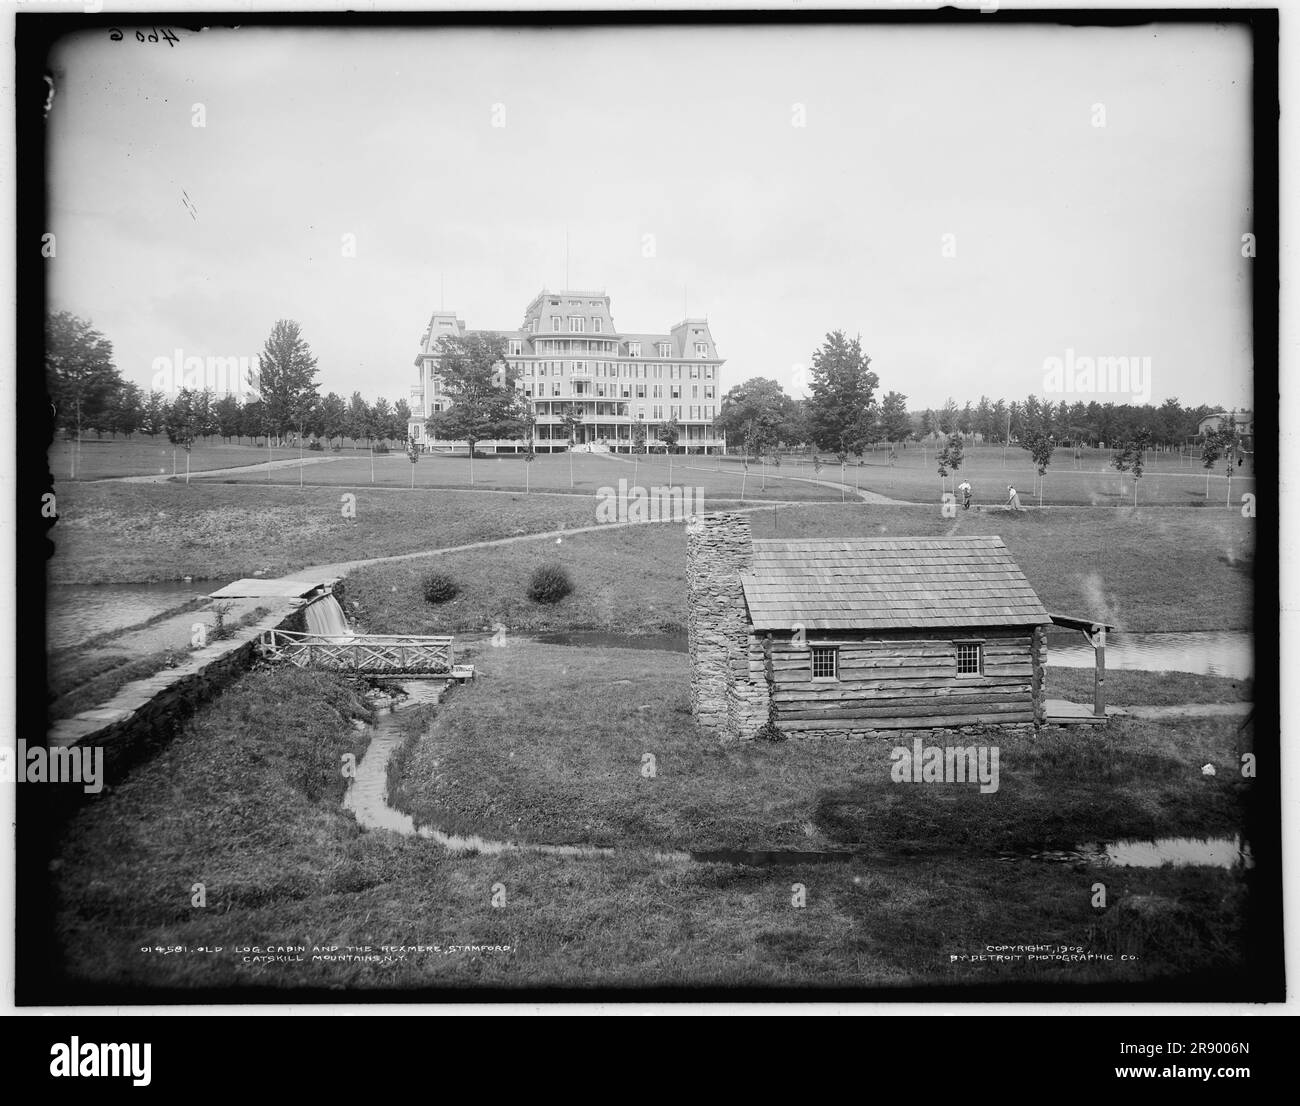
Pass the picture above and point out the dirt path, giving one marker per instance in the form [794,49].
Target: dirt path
[1186,710]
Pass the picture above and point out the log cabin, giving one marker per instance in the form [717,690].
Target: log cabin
[859,637]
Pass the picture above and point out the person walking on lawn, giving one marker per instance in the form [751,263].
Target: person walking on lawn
[1013,499]
[964,488]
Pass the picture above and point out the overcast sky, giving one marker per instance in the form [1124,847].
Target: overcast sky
[672,159]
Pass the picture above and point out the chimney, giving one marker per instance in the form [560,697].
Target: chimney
[718,550]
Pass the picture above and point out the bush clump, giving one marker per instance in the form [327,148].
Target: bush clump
[315,444]
[379,447]
[550,584]
[439,587]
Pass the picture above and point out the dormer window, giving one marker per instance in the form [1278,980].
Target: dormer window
[555,324]
[577,324]
[665,350]
[701,349]
[595,325]
[516,347]
[634,349]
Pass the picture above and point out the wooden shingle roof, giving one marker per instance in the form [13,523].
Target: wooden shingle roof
[889,583]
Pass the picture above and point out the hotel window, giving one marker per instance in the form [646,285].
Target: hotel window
[658,411]
[664,350]
[600,388]
[516,347]
[555,323]
[595,325]
[708,391]
[634,349]
[675,411]
[577,324]
[625,390]
[640,391]
[825,663]
[695,372]
[658,392]
[970,658]
[701,350]
[708,372]
[555,388]
[675,390]
[659,370]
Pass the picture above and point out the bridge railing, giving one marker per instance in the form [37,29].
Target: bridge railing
[366,653]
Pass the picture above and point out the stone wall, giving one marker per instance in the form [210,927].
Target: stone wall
[728,695]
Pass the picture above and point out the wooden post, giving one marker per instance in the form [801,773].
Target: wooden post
[1099,678]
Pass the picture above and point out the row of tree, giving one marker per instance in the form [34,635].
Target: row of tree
[283,401]
[842,414]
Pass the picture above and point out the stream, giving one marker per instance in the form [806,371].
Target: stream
[367,798]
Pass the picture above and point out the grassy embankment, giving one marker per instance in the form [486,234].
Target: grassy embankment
[247,802]
[1138,571]
[548,745]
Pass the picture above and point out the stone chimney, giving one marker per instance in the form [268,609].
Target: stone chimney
[718,551]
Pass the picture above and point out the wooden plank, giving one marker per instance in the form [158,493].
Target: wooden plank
[918,709]
[917,723]
[844,693]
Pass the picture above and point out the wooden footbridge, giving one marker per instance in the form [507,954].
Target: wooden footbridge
[376,655]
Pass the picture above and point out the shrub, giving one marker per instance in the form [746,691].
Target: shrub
[380,448]
[315,444]
[550,584]
[438,588]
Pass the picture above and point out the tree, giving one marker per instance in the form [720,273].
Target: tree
[127,409]
[571,420]
[950,458]
[334,417]
[966,420]
[843,388]
[153,417]
[927,423]
[381,415]
[984,424]
[948,416]
[79,372]
[182,424]
[1220,443]
[229,417]
[668,433]
[1040,447]
[763,401]
[1000,431]
[401,420]
[286,376]
[895,422]
[357,420]
[479,383]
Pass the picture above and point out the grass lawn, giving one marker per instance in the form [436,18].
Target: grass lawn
[585,474]
[1168,480]
[246,801]
[103,458]
[1140,571]
[131,533]
[548,745]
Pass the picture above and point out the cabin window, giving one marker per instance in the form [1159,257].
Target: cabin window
[825,663]
[970,658]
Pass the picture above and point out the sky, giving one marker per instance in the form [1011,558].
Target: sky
[973,202]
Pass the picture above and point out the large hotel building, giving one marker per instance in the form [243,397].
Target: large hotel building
[569,354]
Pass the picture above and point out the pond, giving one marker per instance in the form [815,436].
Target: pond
[1173,852]
[77,612]
[1229,653]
